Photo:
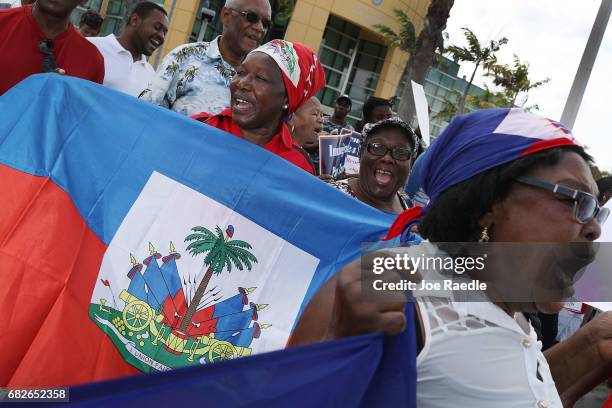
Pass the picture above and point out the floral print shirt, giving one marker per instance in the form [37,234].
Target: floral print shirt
[192,78]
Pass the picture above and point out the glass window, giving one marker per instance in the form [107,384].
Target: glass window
[434,76]
[332,38]
[441,92]
[447,81]
[336,23]
[327,96]
[341,62]
[326,56]
[212,28]
[347,45]
[333,78]
[437,105]
[366,62]
[94,5]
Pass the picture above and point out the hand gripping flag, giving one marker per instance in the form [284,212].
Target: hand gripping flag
[133,239]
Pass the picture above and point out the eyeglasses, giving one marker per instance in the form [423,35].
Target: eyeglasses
[586,206]
[48,63]
[398,153]
[253,18]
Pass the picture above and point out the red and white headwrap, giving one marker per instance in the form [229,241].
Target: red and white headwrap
[303,74]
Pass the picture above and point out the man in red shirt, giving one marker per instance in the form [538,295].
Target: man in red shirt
[40,38]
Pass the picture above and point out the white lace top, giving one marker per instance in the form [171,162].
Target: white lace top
[475,355]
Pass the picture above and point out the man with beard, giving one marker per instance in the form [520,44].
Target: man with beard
[125,62]
[196,77]
[40,38]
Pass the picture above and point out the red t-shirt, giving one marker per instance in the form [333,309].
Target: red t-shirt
[20,56]
[281,144]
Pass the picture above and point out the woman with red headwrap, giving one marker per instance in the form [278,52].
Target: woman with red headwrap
[272,82]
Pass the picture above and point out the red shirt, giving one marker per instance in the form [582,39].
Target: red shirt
[20,56]
[281,144]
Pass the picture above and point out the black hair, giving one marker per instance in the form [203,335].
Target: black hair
[605,189]
[92,19]
[372,103]
[144,9]
[403,127]
[454,216]
[369,105]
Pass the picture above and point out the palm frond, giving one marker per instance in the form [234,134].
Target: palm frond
[245,257]
[198,247]
[238,243]
[220,233]
[392,39]
[405,39]
[231,256]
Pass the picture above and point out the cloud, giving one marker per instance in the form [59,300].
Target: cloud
[550,35]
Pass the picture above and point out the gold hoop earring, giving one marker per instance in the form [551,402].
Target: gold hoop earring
[484,237]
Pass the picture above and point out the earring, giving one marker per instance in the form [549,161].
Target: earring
[286,107]
[484,237]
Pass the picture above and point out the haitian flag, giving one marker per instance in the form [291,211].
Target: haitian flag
[133,239]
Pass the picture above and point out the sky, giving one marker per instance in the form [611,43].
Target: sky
[551,36]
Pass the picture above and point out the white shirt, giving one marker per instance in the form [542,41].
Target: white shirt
[475,355]
[121,71]
[10,3]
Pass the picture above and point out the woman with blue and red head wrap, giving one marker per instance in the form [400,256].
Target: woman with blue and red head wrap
[499,175]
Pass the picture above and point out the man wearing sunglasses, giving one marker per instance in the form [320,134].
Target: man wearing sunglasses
[40,38]
[195,77]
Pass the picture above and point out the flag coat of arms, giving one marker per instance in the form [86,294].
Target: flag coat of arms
[133,239]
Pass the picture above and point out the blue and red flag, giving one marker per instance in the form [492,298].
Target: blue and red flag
[127,231]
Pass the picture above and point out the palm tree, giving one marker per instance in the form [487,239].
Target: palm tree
[421,48]
[514,79]
[221,253]
[476,53]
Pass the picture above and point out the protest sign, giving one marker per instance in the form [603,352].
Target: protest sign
[351,163]
[332,154]
[422,110]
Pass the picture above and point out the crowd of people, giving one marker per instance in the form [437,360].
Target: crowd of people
[474,184]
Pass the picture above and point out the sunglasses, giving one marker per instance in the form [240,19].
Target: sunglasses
[48,63]
[253,18]
[586,206]
[398,153]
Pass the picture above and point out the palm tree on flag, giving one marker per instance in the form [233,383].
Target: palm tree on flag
[221,253]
